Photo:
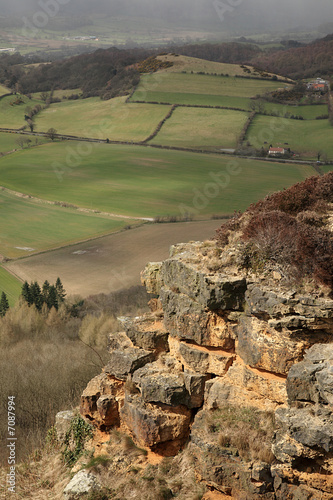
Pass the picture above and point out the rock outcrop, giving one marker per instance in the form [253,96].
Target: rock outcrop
[238,366]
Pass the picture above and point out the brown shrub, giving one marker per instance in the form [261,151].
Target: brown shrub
[223,232]
[303,249]
[314,193]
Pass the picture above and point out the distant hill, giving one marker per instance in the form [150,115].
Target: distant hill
[231,52]
[102,72]
[314,59]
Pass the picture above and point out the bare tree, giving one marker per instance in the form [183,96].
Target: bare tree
[51,133]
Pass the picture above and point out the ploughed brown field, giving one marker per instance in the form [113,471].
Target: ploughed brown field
[112,262]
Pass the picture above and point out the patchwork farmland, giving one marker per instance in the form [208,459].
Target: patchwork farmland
[169,164]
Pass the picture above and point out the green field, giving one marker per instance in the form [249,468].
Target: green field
[10,285]
[194,99]
[188,64]
[308,112]
[46,226]
[9,141]
[202,128]
[202,84]
[3,90]
[327,168]
[304,137]
[102,119]
[59,93]
[141,181]
[13,116]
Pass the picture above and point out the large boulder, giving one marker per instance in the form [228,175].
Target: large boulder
[150,277]
[186,318]
[146,332]
[152,424]
[246,387]
[81,485]
[305,427]
[214,290]
[201,359]
[62,424]
[101,399]
[159,384]
[263,347]
[123,362]
[312,379]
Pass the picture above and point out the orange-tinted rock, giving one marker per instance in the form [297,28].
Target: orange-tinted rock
[101,399]
[201,359]
[153,424]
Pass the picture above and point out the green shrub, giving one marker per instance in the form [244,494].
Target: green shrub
[77,435]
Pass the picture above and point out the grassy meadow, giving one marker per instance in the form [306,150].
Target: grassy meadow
[102,119]
[306,137]
[3,90]
[141,181]
[308,112]
[194,99]
[188,64]
[46,226]
[202,84]
[10,141]
[10,285]
[12,116]
[202,128]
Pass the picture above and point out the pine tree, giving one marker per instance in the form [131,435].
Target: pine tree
[26,293]
[36,295]
[60,290]
[45,291]
[52,300]
[4,305]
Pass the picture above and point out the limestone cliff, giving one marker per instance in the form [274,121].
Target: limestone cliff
[236,366]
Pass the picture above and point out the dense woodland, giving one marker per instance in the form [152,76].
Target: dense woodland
[103,72]
[315,59]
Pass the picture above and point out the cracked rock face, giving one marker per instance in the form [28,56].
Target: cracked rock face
[305,428]
[225,342]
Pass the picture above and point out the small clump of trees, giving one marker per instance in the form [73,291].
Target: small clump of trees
[4,304]
[51,295]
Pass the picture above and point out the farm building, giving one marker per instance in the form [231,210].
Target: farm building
[276,151]
[318,85]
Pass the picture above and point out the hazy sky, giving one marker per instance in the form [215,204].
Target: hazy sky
[258,12]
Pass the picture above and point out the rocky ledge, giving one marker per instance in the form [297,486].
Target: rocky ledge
[237,367]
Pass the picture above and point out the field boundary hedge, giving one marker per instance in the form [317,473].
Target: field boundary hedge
[158,146]
[160,125]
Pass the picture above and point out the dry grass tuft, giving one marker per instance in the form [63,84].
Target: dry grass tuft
[248,430]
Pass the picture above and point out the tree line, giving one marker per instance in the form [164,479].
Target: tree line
[51,295]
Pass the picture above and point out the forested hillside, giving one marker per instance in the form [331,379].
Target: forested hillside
[315,59]
[100,72]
